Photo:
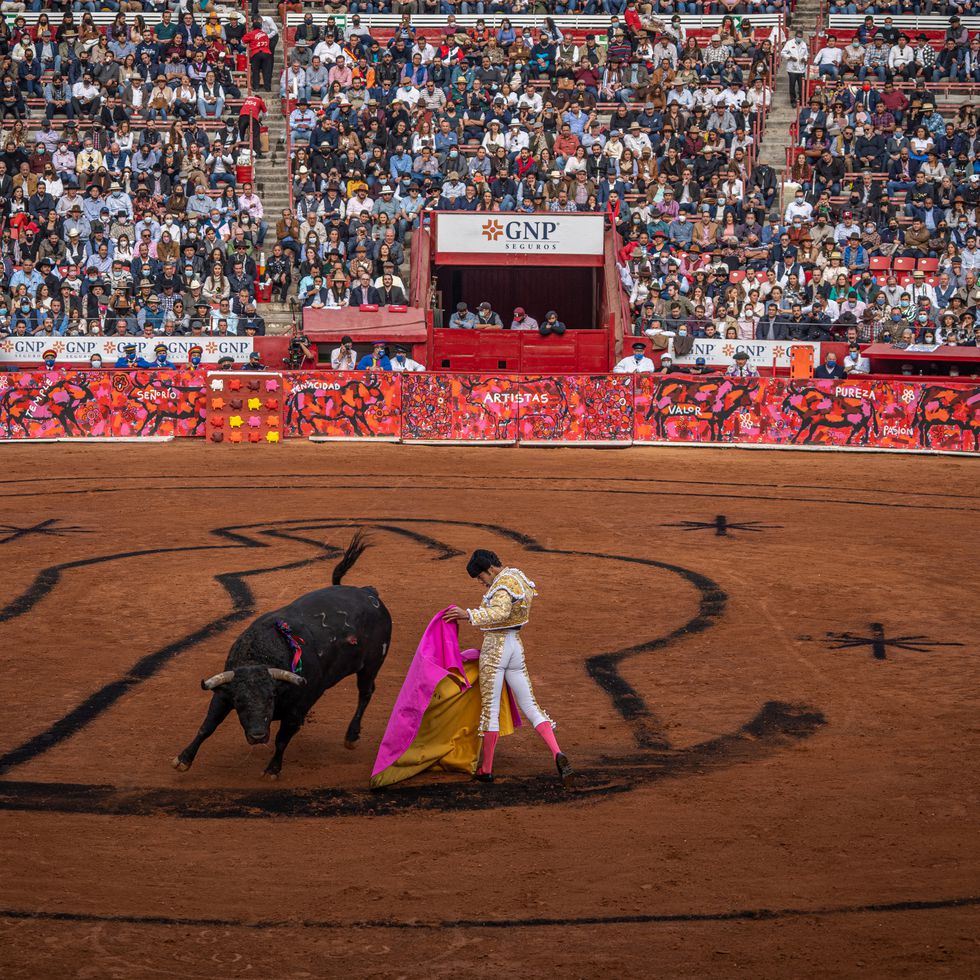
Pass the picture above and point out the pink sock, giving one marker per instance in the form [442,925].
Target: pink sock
[548,734]
[489,744]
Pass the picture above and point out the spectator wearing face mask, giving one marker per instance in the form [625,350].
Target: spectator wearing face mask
[681,232]
[799,207]
[162,352]
[699,367]
[635,363]
[830,370]
[854,363]
[486,317]
[683,342]
[462,319]
[402,362]
[522,321]
[551,325]
[922,326]
[130,359]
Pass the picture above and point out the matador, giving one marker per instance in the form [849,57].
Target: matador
[503,613]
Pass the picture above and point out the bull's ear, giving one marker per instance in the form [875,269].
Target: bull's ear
[225,677]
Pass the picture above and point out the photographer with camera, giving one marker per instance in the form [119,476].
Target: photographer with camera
[300,353]
[344,357]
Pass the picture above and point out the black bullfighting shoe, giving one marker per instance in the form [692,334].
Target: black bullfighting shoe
[483,777]
[565,771]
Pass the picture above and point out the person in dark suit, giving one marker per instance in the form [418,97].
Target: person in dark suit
[830,370]
[901,172]
[389,294]
[771,326]
[763,179]
[6,182]
[364,294]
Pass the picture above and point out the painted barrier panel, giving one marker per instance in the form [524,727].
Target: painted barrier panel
[343,405]
[244,408]
[933,416]
[779,412]
[824,413]
[76,404]
[880,414]
[518,408]
[713,408]
[460,407]
[583,409]
[576,408]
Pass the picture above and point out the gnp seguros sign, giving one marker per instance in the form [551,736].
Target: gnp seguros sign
[527,235]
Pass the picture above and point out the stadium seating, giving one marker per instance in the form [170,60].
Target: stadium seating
[127,185]
[515,137]
[653,120]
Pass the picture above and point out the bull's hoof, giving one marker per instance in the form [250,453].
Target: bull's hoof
[348,744]
[271,776]
[179,765]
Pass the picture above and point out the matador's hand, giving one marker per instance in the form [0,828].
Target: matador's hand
[455,615]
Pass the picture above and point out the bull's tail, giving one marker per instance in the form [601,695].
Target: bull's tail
[354,551]
[874,419]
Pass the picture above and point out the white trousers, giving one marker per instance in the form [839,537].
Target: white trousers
[510,668]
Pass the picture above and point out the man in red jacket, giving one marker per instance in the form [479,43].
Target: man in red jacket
[260,55]
[253,109]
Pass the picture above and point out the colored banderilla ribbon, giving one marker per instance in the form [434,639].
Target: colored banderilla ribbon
[295,644]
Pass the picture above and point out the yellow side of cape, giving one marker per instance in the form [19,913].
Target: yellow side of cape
[447,738]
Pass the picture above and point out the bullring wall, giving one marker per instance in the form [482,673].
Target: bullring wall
[556,409]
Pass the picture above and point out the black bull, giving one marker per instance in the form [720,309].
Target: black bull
[342,630]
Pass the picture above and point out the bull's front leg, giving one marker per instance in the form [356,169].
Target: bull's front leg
[288,727]
[217,712]
[365,690]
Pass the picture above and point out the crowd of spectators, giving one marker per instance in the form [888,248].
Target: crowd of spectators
[884,52]
[877,238]
[637,122]
[125,197]
[486,319]
[124,211]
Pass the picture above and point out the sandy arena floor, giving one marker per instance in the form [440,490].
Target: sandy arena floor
[764,665]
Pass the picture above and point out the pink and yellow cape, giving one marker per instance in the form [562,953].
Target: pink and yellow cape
[436,718]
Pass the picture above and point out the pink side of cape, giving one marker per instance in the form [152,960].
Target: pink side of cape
[437,653]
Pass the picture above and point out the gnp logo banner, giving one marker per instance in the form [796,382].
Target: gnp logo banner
[524,235]
[79,350]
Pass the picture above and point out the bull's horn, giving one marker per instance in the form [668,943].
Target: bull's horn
[225,677]
[286,675]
